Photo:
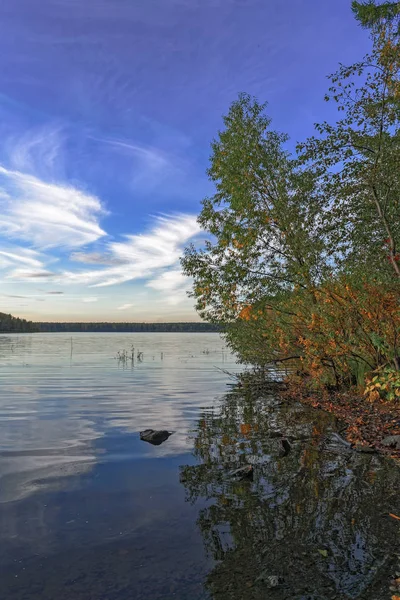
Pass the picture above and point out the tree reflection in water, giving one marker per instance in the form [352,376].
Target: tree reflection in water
[317,517]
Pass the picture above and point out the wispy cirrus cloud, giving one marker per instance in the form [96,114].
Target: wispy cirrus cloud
[37,150]
[141,256]
[29,274]
[149,167]
[125,306]
[34,297]
[95,258]
[152,157]
[152,257]
[24,256]
[173,284]
[23,264]
[47,215]
[13,296]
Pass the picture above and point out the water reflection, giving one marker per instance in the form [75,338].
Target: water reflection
[89,510]
[54,409]
[316,518]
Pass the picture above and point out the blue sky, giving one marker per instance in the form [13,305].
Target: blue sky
[107,110]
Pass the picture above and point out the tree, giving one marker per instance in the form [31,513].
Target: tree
[303,262]
[358,159]
[264,220]
[371,15]
[10,324]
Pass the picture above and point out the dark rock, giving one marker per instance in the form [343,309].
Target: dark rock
[155,437]
[393,441]
[286,448]
[242,473]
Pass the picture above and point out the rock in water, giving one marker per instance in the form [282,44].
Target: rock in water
[155,437]
[242,473]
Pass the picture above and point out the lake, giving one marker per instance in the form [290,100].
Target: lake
[88,511]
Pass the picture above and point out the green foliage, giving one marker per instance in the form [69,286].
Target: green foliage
[358,370]
[357,159]
[385,384]
[302,263]
[370,14]
[258,247]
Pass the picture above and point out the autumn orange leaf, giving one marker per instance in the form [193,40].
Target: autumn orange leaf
[245,429]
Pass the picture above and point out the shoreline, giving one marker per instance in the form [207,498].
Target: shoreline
[365,425]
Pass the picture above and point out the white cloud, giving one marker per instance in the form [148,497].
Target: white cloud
[37,150]
[28,274]
[24,264]
[125,307]
[94,258]
[152,256]
[22,255]
[150,166]
[169,281]
[174,285]
[90,299]
[153,158]
[47,215]
[141,256]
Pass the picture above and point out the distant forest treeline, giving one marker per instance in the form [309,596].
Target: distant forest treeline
[10,324]
[127,327]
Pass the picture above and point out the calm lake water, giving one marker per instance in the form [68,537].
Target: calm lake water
[88,511]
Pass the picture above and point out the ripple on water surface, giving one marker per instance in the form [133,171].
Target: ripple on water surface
[88,510]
